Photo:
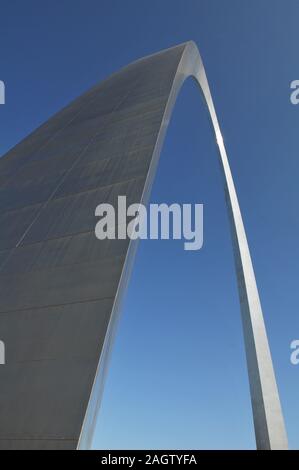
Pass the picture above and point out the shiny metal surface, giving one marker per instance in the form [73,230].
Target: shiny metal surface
[61,288]
[268,418]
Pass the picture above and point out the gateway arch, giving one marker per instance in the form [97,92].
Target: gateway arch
[61,288]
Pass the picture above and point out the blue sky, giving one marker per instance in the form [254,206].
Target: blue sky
[178,373]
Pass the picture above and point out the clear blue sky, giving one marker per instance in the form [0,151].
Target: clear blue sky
[178,374]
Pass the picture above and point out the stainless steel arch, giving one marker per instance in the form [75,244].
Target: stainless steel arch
[268,418]
[60,288]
